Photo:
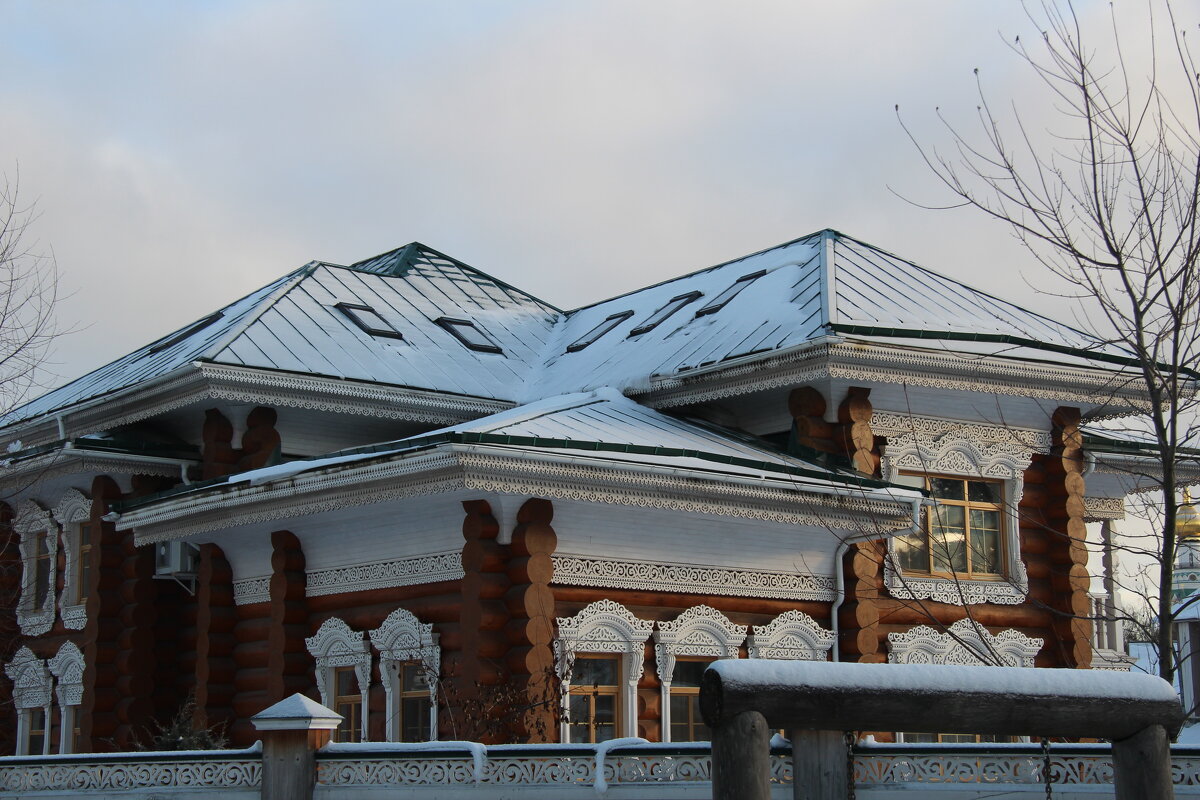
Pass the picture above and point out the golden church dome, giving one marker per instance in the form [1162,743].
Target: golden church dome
[1187,519]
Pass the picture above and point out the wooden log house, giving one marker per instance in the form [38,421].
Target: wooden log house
[437,504]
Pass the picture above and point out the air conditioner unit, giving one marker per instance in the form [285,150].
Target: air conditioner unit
[175,561]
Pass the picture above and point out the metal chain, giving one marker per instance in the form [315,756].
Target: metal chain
[1046,778]
[850,793]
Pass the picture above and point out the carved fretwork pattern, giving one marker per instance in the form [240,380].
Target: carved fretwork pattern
[964,643]
[792,635]
[699,631]
[602,627]
[657,577]
[67,668]
[31,520]
[31,680]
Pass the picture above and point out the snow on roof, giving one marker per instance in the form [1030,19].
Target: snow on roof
[780,298]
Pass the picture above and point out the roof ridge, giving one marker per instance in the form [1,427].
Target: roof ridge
[288,283]
[789,243]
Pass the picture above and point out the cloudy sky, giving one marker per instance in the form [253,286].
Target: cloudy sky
[183,154]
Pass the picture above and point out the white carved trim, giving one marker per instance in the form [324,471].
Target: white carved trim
[336,645]
[935,446]
[1102,508]
[252,590]
[699,631]
[74,508]
[32,519]
[1017,440]
[31,680]
[791,635]
[966,642]
[685,578]
[67,667]
[431,568]
[604,627]
[399,639]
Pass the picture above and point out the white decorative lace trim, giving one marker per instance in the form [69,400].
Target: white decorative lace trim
[335,645]
[583,571]
[31,520]
[430,568]
[31,680]
[67,668]
[793,635]
[966,642]
[252,590]
[1100,508]
[699,631]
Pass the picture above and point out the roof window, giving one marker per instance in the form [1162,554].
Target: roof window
[368,319]
[721,300]
[673,305]
[595,333]
[471,335]
[175,339]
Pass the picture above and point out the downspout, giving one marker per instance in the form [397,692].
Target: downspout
[839,571]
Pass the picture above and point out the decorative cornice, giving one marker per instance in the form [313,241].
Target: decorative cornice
[966,642]
[675,578]
[73,462]
[932,429]
[1101,508]
[499,469]
[699,631]
[878,362]
[67,667]
[411,571]
[252,590]
[792,635]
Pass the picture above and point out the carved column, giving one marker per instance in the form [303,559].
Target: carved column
[289,667]
[97,713]
[810,431]
[531,608]
[859,616]
[1069,556]
[216,617]
[854,429]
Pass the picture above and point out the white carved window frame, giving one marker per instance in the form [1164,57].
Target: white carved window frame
[959,457]
[792,635]
[699,631]
[74,508]
[400,639]
[67,669]
[32,685]
[31,520]
[335,645]
[604,627]
[965,643]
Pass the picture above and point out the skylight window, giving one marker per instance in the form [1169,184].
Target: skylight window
[721,300]
[469,334]
[175,339]
[369,320]
[595,333]
[673,305]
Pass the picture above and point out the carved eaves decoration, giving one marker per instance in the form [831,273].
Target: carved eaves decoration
[965,643]
[687,578]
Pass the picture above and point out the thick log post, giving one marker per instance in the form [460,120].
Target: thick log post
[1142,766]
[741,758]
[820,767]
[293,730]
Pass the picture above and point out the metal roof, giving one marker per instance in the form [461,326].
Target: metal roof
[822,284]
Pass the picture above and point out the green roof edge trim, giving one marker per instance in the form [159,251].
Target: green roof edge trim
[434,440]
[999,338]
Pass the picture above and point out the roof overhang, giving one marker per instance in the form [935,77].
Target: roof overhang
[81,456]
[682,484]
[1106,389]
[206,382]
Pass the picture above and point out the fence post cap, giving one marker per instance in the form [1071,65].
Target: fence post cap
[297,713]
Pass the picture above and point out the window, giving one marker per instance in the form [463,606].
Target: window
[39,565]
[721,300]
[686,723]
[369,320]
[595,333]
[347,701]
[32,698]
[963,533]
[673,305]
[37,731]
[471,335]
[593,704]
[176,338]
[415,704]
[83,562]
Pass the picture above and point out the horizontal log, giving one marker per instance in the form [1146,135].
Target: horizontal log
[818,695]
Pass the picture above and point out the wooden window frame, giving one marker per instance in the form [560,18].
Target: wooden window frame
[967,505]
[351,729]
[83,559]
[592,691]
[694,719]
[420,694]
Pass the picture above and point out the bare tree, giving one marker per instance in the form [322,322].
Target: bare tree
[1106,197]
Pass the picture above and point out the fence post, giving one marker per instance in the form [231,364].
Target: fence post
[741,758]
[293,730]
[820,765]
[1142,766]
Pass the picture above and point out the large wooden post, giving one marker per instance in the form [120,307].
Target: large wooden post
[293,730]
[741,758]
[820,766]
[1142,766]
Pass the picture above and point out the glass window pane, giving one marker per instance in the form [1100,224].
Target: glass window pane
[594,672]
[912,551]
[985,544]
[983,492]
[413,678]
[946,488]
[949,539]
[606,708]
[687,673]
[345,682]
[414,716]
